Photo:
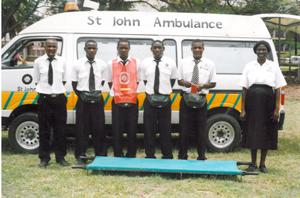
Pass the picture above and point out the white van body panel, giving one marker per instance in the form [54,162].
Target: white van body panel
[176,26]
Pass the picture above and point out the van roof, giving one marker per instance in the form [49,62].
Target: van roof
[152,23]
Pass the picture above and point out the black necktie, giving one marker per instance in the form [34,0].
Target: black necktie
[124,62]
[156,79]
[195,75]
[92,77]
[50,72]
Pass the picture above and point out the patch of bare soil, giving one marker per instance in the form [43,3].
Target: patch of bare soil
[292,92]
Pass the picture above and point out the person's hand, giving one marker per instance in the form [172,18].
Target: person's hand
[275,115]
[243,115]
[200,87]
[187,84]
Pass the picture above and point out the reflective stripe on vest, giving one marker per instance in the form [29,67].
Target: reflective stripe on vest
[124,81]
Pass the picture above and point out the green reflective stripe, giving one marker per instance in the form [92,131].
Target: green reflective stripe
[224,99]
[68,94]
[8,100]
[36,99]
[211,100]
[236,101]
[106,99]
[23,98]
[173,98]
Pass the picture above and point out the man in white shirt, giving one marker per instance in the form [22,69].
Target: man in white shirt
[123,77]
[88,77]
[196,75]
[50,77]
[159,73]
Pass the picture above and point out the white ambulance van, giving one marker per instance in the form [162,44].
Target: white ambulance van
[229,40]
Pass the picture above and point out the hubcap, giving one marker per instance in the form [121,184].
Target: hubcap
[27,135]
[221,134]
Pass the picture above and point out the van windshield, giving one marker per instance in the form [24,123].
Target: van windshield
[230,57]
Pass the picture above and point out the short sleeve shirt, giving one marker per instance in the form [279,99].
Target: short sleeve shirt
[40,75]
[268,73]
[206,68]
[81,72]
[167,70]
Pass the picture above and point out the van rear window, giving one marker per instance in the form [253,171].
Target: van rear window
[230,57]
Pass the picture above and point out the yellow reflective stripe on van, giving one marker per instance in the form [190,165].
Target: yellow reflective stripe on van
[11,100]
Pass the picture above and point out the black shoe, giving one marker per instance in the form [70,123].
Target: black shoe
[63,162]
[43,164]
[263,169]
[201,158]
[251,168]
[150,157]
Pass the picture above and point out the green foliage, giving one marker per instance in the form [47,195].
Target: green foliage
[17,14]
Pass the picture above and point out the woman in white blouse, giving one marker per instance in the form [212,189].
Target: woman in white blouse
[261,82]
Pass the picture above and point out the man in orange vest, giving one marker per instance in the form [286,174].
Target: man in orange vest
[123,81]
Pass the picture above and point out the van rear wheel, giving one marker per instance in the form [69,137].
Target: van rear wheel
[224,133]
[23,133]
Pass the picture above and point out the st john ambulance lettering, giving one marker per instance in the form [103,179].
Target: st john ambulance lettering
[176,23]
[124,21]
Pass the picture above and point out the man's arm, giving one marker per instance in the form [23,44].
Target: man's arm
[74,85]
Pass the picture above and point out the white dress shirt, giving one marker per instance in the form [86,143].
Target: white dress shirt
[81,73]
[109,71]
[167,70]
[40,75]
[266,74]
[206,68]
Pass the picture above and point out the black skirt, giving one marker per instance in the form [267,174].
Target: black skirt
[259,129]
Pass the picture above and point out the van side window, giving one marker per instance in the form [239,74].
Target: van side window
[170,49]
[107,48]
[24,52]
[230,57]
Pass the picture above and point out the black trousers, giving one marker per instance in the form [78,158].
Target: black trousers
[90,120]
[52,114]
[192,121]
[157,120]
[124,119]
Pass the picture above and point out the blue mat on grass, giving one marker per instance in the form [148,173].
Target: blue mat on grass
[210,167]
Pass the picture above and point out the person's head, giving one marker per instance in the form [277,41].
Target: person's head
[123,48]
[90,49]
[261,49]
[51,47]
[197,49]
[157,49]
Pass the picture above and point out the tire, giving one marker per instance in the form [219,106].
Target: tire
[23,133]
[223,133]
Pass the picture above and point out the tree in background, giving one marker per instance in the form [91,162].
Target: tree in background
[18,14]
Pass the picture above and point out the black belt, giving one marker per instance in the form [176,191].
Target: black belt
[50,95]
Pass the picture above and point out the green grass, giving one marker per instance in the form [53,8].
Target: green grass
[21,176]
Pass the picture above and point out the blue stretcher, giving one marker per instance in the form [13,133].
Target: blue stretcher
[207,167]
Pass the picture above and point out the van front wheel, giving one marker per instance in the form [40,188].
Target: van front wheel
[223,134]
[23,133]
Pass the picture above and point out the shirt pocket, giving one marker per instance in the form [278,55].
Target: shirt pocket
[165,71]
[83,74]
[203,75]
[59,72]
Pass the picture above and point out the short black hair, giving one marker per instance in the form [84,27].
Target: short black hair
[90,41]
[197,41]
[123,40]
[157,41]
[265,43]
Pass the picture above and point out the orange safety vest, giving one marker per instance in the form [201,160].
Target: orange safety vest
[124,79]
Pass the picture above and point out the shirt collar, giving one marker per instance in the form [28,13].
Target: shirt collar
[86,60]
